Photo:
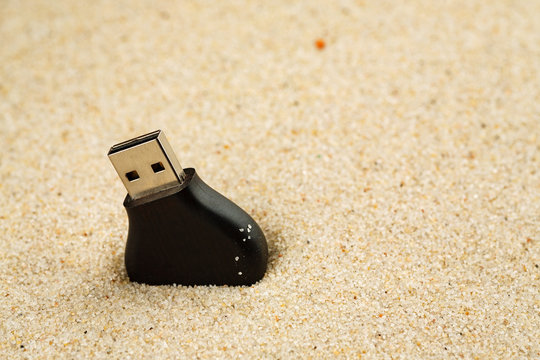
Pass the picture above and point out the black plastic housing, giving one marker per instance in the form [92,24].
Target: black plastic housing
[193,235]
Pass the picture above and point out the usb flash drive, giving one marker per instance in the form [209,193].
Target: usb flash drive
[181,231]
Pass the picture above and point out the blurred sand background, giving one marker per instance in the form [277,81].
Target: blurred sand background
[389,150]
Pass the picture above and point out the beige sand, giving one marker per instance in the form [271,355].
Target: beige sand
[395,173]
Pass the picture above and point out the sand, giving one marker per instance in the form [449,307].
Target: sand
[389,151]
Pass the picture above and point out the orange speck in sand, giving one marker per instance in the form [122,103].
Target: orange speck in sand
[320,44]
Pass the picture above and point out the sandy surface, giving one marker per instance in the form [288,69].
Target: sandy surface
[394,170]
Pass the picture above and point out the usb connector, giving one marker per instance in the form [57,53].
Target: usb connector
[181,231]
[146,164]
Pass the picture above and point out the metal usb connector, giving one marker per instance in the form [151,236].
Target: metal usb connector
[146,164]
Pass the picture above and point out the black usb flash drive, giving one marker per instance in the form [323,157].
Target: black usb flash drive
[181,231]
